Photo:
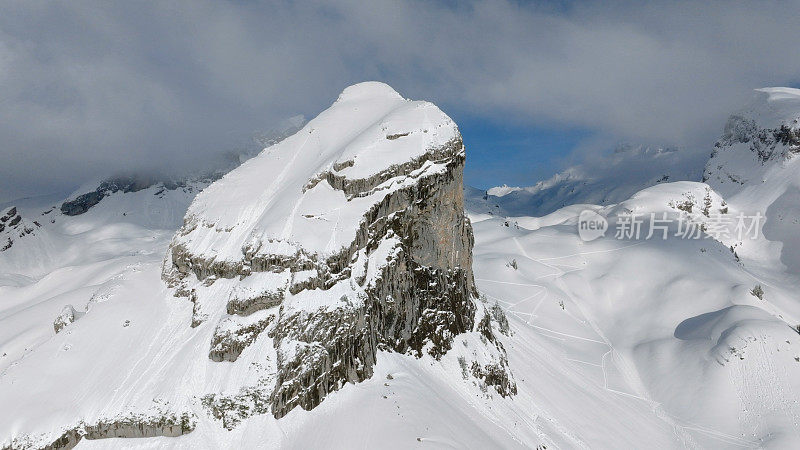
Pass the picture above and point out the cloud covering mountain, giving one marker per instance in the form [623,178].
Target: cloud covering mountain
[87,87]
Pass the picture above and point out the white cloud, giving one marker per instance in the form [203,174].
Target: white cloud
[87,86]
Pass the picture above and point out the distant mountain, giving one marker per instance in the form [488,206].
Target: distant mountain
[610,180]
[88,196]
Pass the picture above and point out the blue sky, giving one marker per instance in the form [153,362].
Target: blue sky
[517,155]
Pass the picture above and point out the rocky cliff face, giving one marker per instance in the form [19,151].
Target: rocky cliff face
[756,140]
[342,240]
[130,426]
[13,227]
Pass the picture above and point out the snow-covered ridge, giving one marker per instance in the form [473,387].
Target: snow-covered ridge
[367,130]
[499,191]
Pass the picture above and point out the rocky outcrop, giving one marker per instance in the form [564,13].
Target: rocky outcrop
[766,144]
[131,426]
[230,410]
[83,202]
[233,335]
[66,317]
[401,280]
[763,135]
[13,226]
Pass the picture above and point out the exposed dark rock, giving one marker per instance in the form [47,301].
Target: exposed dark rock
[499,316]
[496,375]
[83,202]
[13,226]
[126,184]
[66,317]
[392,137]
[422,298]
[232,409]
[364,186]
[763,142]
[331,348]
[244,306]
[228,343]
[10,214]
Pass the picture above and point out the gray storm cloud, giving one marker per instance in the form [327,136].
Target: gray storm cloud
[92,87]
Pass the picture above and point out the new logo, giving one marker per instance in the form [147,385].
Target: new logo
[591,225]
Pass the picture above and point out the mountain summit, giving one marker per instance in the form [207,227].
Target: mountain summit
[347,237]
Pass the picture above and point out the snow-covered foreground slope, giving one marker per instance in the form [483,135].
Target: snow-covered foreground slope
[669,325]
[632,359]
[77,260]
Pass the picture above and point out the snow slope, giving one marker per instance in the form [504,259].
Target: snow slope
[670,324]
[621,364]
[78,260]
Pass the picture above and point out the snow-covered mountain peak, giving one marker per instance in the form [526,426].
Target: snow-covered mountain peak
[355,147]
[343,239]
[369,91]
[296,274]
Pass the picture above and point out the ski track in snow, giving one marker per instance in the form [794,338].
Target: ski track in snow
[288,226]
[760,387]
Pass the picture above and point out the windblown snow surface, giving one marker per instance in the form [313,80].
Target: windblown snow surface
[614,343]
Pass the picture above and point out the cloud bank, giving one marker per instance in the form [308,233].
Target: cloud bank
[90,87]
